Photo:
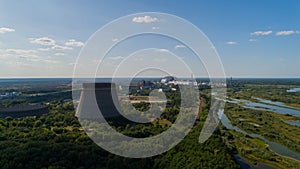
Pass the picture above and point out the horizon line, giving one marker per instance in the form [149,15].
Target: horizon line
[228,77]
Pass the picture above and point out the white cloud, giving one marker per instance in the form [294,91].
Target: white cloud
[282,33]
[263,33]
[24,57]
[163,50]
[49,61]
[231,43]
[5,30]
[74,43]
[20,51]
[59,54]
[180,46]
[117,57]
[144,19]
[58,47]
[17,55]
[44,49]
[252,40]
[155,28]
[115,39]
[43,41]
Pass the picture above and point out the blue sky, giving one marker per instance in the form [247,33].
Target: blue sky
[253,38]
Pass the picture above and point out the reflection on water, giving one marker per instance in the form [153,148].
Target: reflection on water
[294,123]
[270,102]
[293,90]
[281,108]
[276,147]
[280,104]
[226,123]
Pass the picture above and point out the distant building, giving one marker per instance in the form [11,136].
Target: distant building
[164,90]
[146,85]
[172,81]
[230,84]
[181,82]
[167,79]
[8,95]
[3,96]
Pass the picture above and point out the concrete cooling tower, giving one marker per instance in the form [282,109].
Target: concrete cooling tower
[95,97]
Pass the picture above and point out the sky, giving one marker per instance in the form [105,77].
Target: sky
[253,38]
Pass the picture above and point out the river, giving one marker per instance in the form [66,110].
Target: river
[269,106]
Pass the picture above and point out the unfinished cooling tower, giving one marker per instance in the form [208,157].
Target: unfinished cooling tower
[95,97]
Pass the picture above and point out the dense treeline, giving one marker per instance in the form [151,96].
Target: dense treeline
[35,99]
[56,140]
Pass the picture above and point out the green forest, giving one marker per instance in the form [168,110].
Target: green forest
[56,140]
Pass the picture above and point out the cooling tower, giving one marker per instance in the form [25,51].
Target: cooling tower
[95,97]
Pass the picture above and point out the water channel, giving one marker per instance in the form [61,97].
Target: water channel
[265,105]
